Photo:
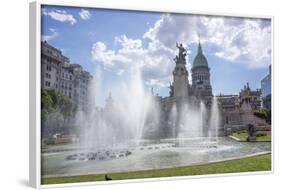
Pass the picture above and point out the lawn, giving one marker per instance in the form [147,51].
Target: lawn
[243,136]
[250,164]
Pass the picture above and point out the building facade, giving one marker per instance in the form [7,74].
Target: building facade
[266,90]
[201,85]
[238,110]
[52,61]
[183,94]
[235,111]
[83,87]
[200,73]
[252,97]
[69,79]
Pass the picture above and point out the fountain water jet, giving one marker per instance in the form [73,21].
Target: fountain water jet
[214,119]
[122,119]
[131,114]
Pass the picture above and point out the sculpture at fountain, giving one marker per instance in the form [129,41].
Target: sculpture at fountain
[251,130]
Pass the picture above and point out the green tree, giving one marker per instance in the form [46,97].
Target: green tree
[61,102]
[262,113]
[55,109]
[46,104]
[46,109]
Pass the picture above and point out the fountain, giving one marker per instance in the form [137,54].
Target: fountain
[131,116]
[136,130]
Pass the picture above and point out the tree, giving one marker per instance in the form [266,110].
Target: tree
[61,102]
[46,104]
[262,113]
[65,107]
[46,109]
[55,109]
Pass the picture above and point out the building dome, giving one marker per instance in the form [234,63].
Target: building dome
[200,60]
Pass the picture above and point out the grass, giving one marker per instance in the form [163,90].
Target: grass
[243,136]
[250,164]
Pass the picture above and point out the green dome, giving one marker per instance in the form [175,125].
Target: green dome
[200,60]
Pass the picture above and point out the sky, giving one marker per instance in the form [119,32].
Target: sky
[113,42]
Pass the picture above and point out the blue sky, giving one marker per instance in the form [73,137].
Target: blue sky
[238,50]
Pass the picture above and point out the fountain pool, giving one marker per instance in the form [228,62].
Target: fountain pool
[148,154]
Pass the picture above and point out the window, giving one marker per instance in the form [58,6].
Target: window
[70,77]
[49,68]
[47,83]
[48,75]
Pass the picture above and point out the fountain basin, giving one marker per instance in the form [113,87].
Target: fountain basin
[142,157]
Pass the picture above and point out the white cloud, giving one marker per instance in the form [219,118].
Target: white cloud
[171,29]
[85,14]
[155,60]
[241,41]
[60,15]
[244,41]
[51,36]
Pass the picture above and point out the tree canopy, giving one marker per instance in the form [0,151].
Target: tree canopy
[55,109]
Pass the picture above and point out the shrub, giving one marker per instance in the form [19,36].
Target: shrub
[261,134]
[49,141]
[261,113]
